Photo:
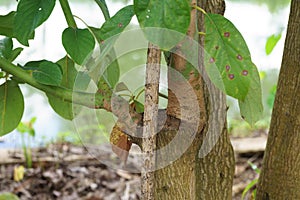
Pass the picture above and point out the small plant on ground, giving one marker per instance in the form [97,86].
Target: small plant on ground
[27,133]
[252,184]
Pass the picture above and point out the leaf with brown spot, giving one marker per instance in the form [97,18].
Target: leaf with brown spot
[228,61]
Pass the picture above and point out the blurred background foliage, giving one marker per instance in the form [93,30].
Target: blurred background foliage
[273,5]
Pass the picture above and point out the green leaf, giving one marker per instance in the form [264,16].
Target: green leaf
[271,42]
[104,36]
[30,14]
[45,72]
[229,66]
[228,62]
[271,96]
[7,24]
[112,74]
[22,128]
[121,87]
[115,24]
[105,70]
[78,43]
[8,196]
[167,16]
[82,81]
[2,74]
[105,66]
[63,108]
[69,72]
[15,53]
[251,108]
[139,107]
[27,127]
[6,49]
[6,45]
[248,187]
[11,106]
[253,195]
[32,120]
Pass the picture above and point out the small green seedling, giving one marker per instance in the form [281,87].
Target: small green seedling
[23,128]
[252,184]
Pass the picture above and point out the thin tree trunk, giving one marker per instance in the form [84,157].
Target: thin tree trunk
[191,177]
[280,176]
[150,121]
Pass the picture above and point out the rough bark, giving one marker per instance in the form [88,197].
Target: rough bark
[150,121]
[280,176]
[216,169]
[191,177]
[177,180]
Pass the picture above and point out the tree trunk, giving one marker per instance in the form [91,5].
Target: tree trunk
[215,170]
[150,121]
[192,177]
[280,176]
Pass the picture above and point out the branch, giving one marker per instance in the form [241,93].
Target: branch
[90,100]
[99,100]
[150,121]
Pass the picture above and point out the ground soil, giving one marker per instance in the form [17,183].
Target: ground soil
[67,172]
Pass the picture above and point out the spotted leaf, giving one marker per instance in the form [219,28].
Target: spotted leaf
[114,25]
[251,108]
[227,60]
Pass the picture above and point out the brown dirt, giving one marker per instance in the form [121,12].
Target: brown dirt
[53,176]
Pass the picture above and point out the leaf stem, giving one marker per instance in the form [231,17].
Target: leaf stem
[159,94]
[125,95]
[25,151]
[68,13]
[200,9]
[103,6]
[140,92]
[163,95]
[87,26]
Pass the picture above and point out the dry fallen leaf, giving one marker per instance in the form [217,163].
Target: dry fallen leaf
[121,143]
[19,173]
